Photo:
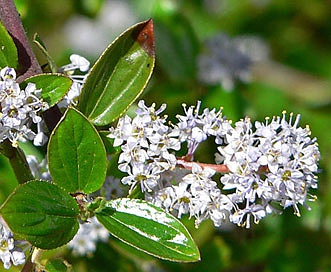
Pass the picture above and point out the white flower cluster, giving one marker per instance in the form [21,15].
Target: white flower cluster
[9,252]
[275,163]
[262,168]
[19,110]
[146,141]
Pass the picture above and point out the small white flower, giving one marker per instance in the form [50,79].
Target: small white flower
[80,62]
[145,174]
[77,62]
[7,73]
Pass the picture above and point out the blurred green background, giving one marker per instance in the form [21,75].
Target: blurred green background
[296,76]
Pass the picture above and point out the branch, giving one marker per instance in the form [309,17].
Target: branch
[220,168]
[10,18]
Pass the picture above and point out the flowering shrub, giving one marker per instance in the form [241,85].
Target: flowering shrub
[74,196]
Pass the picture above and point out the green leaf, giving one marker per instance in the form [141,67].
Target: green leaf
[54,86]
[56,265]
[76,154]
[8,51]
[148,228]
[37,40]
[119,75]
[41,213]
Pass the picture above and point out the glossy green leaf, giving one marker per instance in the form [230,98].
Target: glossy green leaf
[119,75]
[41,213]
[148,228]
[76,154]
[8,51]
[54,86]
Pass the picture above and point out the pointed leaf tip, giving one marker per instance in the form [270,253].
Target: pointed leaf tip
[119,76]
[145,37]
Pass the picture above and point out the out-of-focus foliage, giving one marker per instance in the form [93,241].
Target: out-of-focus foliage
[298,36]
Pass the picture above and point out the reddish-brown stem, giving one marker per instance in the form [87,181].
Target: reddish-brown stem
[220,168]
[10,18]
[28,63]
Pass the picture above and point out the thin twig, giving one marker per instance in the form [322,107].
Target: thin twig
[220,168]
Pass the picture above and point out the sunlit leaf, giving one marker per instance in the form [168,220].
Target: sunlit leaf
[148,228]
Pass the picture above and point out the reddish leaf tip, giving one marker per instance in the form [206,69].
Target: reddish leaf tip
[146,38]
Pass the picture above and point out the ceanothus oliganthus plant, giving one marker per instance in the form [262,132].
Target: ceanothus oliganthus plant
[71,197]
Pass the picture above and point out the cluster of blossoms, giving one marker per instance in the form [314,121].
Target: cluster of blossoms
[19,110]
[146,141]
[263,168]
[10,252]
[227,60]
